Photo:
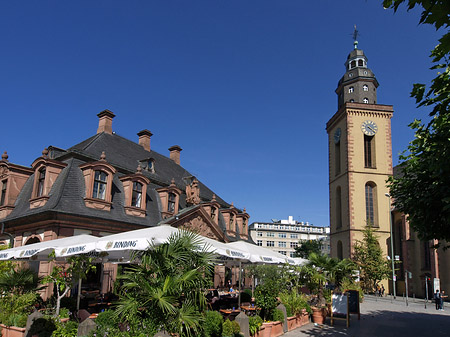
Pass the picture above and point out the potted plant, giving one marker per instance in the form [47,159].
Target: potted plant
[254,324]
[14,311]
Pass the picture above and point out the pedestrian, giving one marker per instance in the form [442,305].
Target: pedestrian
[437,299]
[443,296]
[382,290]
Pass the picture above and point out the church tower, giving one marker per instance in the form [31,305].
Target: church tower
[360,158]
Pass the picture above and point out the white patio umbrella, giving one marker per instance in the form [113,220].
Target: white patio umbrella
[40,251]
[119,247]
[260,254]
[298,261]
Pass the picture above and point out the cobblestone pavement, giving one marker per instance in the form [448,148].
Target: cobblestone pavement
[386,317]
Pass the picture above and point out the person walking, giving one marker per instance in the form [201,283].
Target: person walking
[437,299]
[443,296]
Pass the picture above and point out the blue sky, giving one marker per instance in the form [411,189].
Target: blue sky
[244,87]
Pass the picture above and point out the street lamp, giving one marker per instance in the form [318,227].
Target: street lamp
[392,244]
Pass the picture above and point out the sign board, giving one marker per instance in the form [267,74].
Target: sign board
[353,302]
[339,308]
[436,284]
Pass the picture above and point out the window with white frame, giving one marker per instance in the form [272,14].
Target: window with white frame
[282,235]
[259,242]
[260,234]
[270,243]
[294,236]
[365,87]
[99,190]
[282,244]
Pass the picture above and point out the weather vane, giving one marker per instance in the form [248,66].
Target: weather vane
[355,37]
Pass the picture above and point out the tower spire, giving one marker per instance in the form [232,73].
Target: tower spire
[355,37]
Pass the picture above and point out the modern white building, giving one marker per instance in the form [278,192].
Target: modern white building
[283,236]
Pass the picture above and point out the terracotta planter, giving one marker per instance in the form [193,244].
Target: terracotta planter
[277,329]
[292,323]
[304,317]
[268,329]
[12,331]
[261,332]
[319,315]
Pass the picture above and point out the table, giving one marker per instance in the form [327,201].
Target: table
[250,310]
[229,313]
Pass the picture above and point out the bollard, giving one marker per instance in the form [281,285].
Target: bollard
[414,298]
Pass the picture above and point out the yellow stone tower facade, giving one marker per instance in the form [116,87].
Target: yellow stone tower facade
[360,159]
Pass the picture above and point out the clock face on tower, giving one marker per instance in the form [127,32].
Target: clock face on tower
[337,135]
[369,128]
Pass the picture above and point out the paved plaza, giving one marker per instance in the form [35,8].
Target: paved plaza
[385,317]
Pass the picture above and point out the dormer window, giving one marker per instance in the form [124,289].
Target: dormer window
[12,179]
[100,183]
[365,87]
[213,213]
[365,100]
[98,179]
[135,191]
[41,180]
[3,195]
[137,195]
[171,202]
[46,171]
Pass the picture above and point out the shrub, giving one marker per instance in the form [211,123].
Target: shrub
[246,295]
[14,309]
[42,327]
[254,324]
[213,324]
[265,295]
[278,315]
[69,329]
[107,319]
[227,329]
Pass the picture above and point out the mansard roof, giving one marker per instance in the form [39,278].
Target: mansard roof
[68,191]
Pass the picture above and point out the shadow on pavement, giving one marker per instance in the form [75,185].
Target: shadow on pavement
[383,323]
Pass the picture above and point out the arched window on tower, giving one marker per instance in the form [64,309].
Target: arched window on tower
[365,87]
[369,151]
[351,89]
[371,204]
[353,64]
[338,207]
[365,100]
[360,63]
[340,253]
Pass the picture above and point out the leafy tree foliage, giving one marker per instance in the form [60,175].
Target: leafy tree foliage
[167,286]
[64,275]
[422,189]
[307,247]
[369,259]
[19,282]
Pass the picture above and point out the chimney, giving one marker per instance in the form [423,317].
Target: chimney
[105,121]
[144,139]
[175,153]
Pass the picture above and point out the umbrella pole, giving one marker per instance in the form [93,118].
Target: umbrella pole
[239,300]
[79,294]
